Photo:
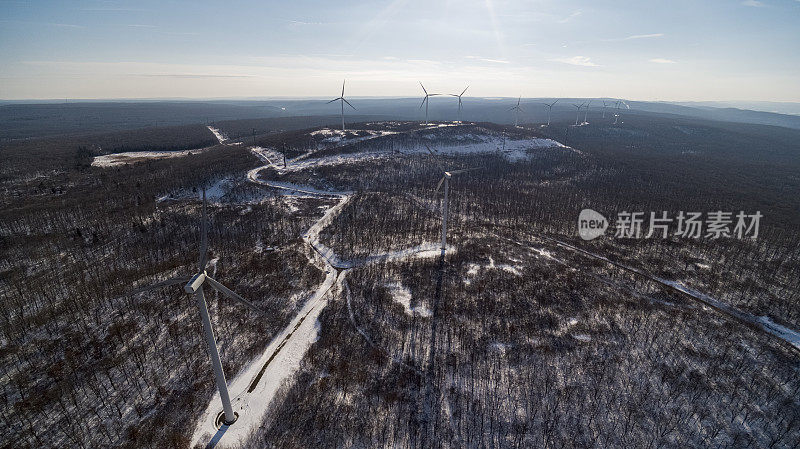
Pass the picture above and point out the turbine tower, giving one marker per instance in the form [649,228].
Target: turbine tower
[194,285]
[425,101]
[459,102]
[445,203]
[550,109]
[517,109]
[343,101]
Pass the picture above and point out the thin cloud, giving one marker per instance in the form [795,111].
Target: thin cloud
[577,60]
[634,37]
[753,3]
[662,61]
[302,23]
[644,36]
[571,16]
[191,75]
[495,61]
[61,25]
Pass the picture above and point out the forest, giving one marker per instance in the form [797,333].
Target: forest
[523,335]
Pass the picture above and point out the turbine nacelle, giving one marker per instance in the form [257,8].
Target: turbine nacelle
[195,283]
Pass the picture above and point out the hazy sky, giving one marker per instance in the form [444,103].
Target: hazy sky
[666,50]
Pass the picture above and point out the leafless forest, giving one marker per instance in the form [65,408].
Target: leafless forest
[524,335]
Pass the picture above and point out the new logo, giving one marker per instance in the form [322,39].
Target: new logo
[591,224]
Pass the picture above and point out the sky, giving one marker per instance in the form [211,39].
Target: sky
[676,50]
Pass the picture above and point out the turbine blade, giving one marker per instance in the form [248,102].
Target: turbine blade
[204,242]
[348,103]
[429,149]
[465,89]
[424,99]
[231,294]
[332,101]
[435,162]
[439,186]
[166,283]
[343,88]
[554,103]
[423,88]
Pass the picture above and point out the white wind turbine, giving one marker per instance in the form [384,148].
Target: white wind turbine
[194,285]
[445,203]
[550,110]
[616,114]
[459,102]
[585,114]
[425,101]
[517,109]
[578,115]
[343,101]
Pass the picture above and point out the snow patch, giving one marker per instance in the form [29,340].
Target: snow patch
[402,295]
[131,157]
[220,137]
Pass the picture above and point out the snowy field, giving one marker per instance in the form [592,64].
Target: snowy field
[116,159]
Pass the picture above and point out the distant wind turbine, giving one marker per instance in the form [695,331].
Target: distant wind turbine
[585,114]
[459,102]
[425,101]
[616,114]
[578,115]
[343,101]
[194,285]
[604,108]
[517,109]
[550,109]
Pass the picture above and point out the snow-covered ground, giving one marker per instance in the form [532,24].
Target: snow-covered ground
[218,134]
[115,159]
[214,193]
[513,150]
[348,136]
[402,295]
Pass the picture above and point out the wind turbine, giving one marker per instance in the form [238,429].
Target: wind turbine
[604,108]
[343,101]
[425,101]
[577,116]
[585,114]
[550,109]
[459,101]
[194,285]
[616,114]
[517,109]
[445,203]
